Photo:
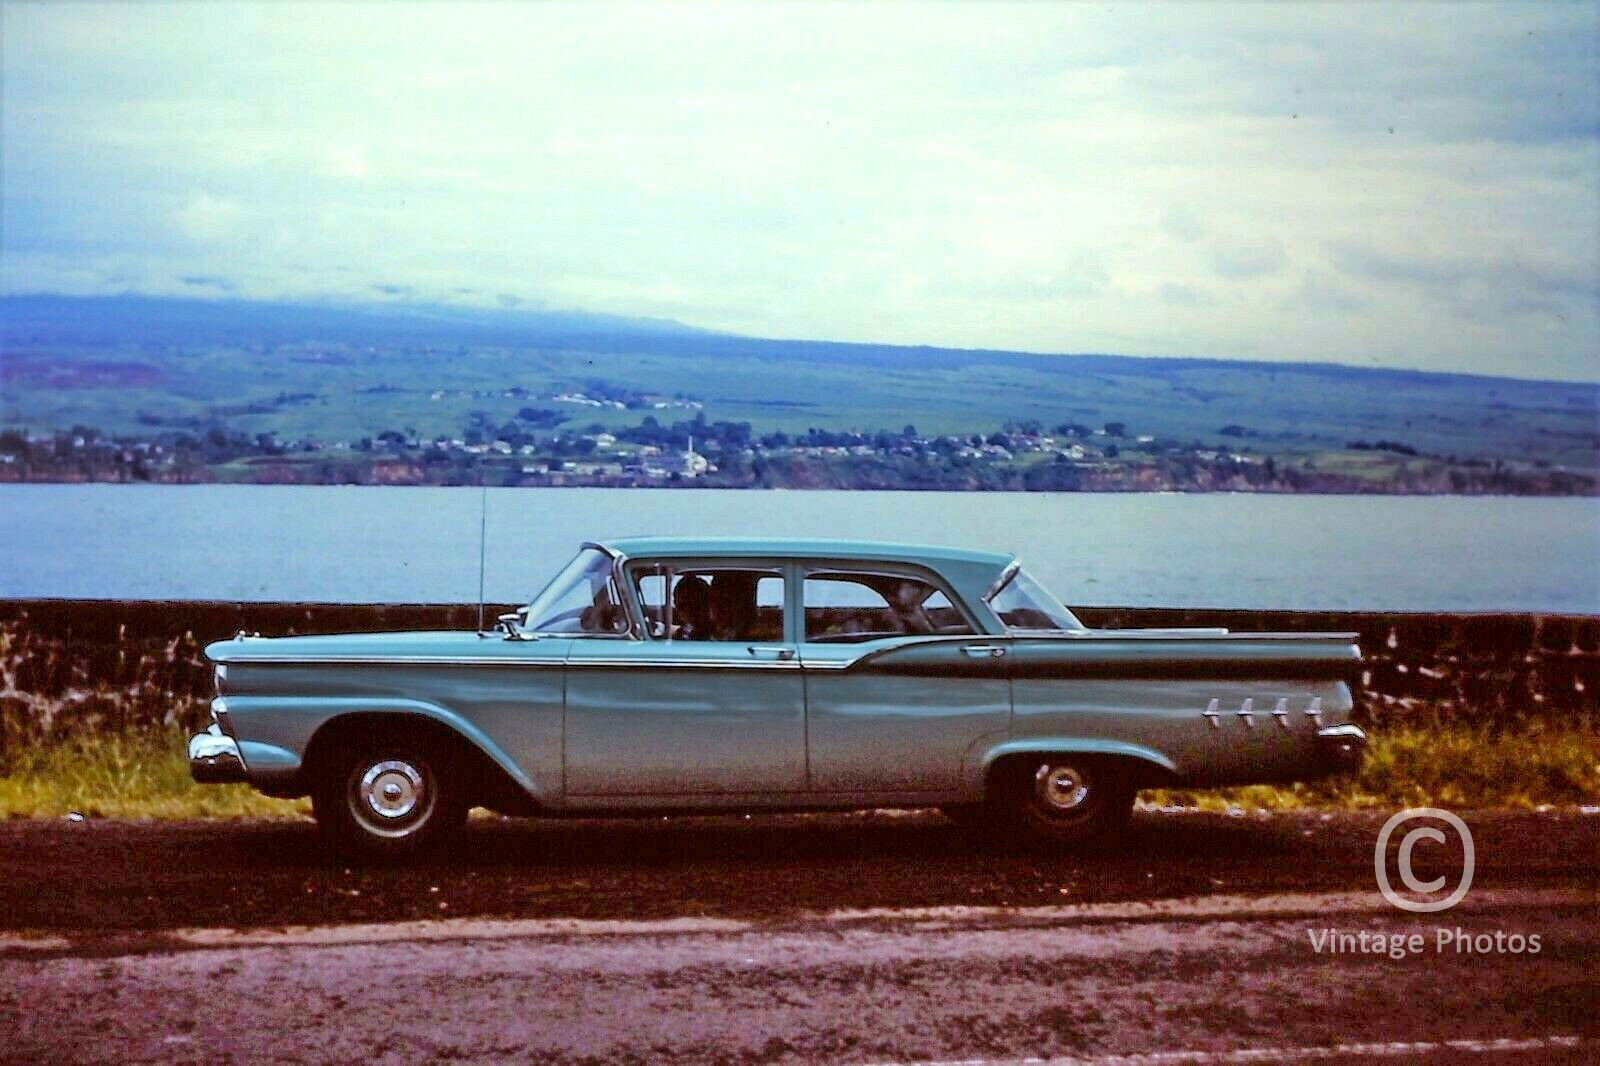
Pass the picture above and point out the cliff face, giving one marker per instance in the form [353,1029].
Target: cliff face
[110,665]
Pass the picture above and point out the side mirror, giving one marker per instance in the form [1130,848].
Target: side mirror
[511,625]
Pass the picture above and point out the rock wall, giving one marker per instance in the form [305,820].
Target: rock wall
[1495,668]
[115,664]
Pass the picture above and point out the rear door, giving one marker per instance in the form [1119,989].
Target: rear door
[900,684]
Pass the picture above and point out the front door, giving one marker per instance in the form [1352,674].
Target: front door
[710,702]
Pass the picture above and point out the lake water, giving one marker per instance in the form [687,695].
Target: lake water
[386,544]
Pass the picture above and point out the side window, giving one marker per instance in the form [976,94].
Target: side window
[943,615]
[843,607]
[733,603]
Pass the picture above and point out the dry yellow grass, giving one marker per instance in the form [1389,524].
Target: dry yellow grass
[1443,766]
[145,775]
[129,775]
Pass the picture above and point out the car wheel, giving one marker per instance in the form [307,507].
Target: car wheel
[1058,801]
[388,799]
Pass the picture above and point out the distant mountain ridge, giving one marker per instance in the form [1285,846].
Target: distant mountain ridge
[95,320]
[108,319]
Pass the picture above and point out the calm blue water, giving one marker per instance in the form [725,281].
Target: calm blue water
[354,544]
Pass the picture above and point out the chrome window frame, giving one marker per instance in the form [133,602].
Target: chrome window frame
[1008,575]
[613,582]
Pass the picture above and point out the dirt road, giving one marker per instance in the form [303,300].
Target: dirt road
[841,939]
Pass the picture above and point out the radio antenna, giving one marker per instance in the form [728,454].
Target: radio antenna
[483,537]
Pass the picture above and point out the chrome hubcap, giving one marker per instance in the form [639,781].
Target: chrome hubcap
[391,789]
[1061,788]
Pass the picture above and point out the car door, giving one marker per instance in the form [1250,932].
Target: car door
[900,684]
[706,702]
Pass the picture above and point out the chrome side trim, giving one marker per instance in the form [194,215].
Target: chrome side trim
[544,664]
[1165,633]
[1202,635]
[691,664]
[974,639]
[396,660]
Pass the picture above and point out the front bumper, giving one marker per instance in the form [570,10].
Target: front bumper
[1342,747]
[214,757]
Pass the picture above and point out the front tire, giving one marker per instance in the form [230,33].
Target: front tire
[387,799]
[1054,801]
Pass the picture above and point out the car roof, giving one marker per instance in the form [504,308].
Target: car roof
[970,573]
[804,548]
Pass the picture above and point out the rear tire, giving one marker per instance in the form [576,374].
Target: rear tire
[389,798]
[1059,801]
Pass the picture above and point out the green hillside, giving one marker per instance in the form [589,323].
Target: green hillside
[128,366]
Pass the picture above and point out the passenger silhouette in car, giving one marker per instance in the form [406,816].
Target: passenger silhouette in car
[691,609]
[906,602]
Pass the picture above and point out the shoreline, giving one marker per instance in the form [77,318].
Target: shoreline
[711,485]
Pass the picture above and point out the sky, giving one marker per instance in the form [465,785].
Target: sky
[1412,185]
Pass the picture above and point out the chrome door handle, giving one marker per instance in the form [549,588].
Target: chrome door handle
[982,651]
[761,651]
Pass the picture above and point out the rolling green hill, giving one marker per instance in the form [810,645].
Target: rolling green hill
[140,366]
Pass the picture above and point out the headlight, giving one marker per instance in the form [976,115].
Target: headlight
[219,678]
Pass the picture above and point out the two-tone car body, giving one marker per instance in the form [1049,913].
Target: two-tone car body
[703,674]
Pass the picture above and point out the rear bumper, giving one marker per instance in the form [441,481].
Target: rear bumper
[1342,747]
[214,757]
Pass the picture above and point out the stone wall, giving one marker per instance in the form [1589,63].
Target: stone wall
[1495,668]
[117,664]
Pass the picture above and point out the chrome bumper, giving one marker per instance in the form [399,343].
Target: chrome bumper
[214,757]
[1342,747]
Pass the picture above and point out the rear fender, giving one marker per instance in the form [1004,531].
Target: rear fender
[1153,765]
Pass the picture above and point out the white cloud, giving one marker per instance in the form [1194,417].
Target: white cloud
[208,218]
[1273,181]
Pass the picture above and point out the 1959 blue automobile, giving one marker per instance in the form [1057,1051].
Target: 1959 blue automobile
[677,674]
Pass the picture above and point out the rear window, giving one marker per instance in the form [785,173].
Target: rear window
[1025,605]
[850,607]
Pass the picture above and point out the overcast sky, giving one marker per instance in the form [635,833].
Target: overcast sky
[1406,185]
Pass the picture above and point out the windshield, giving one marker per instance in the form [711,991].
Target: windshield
[581,599]
[1024,604]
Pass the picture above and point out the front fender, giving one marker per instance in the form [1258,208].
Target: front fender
[1147,757]
[288,724]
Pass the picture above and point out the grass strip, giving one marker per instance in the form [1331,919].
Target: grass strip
[135,774]
[145,774]
[1446,766]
